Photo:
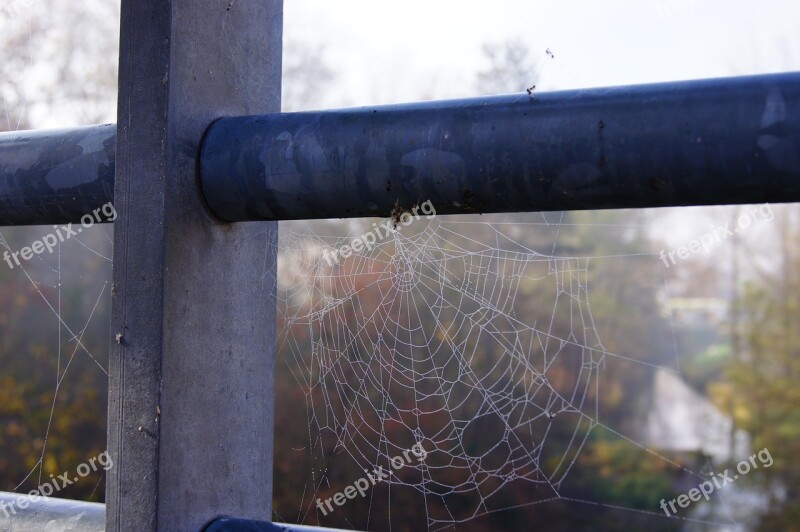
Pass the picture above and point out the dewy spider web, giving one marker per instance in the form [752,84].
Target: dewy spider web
[49,284]
[56,362]
[426,339]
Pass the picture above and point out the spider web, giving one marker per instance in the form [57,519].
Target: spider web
[49,286]
[66,293]
[428,339]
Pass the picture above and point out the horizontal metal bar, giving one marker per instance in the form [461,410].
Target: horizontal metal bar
[56,176]
[229,524]
[21,513]
[722,141]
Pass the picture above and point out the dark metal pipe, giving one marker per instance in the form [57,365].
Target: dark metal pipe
[722,141]
[229,524]
[56,176]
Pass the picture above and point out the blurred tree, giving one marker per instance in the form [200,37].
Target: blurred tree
[59,63]
[765,375]
[510,69]
[306,76]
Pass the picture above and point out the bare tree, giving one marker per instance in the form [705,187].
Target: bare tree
[511,68]
[306,76]
[58,60]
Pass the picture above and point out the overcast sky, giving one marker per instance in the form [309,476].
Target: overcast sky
[387,52]
[399,51]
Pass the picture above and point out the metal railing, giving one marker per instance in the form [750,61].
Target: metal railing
[176,173]
[23,513]
[720,141]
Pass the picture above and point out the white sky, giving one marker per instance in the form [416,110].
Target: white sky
[387,52]
[400,51]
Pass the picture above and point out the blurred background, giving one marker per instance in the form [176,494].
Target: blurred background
[559,372]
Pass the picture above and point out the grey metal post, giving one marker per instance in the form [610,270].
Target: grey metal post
[193,320]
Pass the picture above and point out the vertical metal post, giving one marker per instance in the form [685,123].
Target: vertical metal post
[193,321]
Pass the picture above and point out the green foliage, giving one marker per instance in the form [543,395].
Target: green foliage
[767,397]
[624,474]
